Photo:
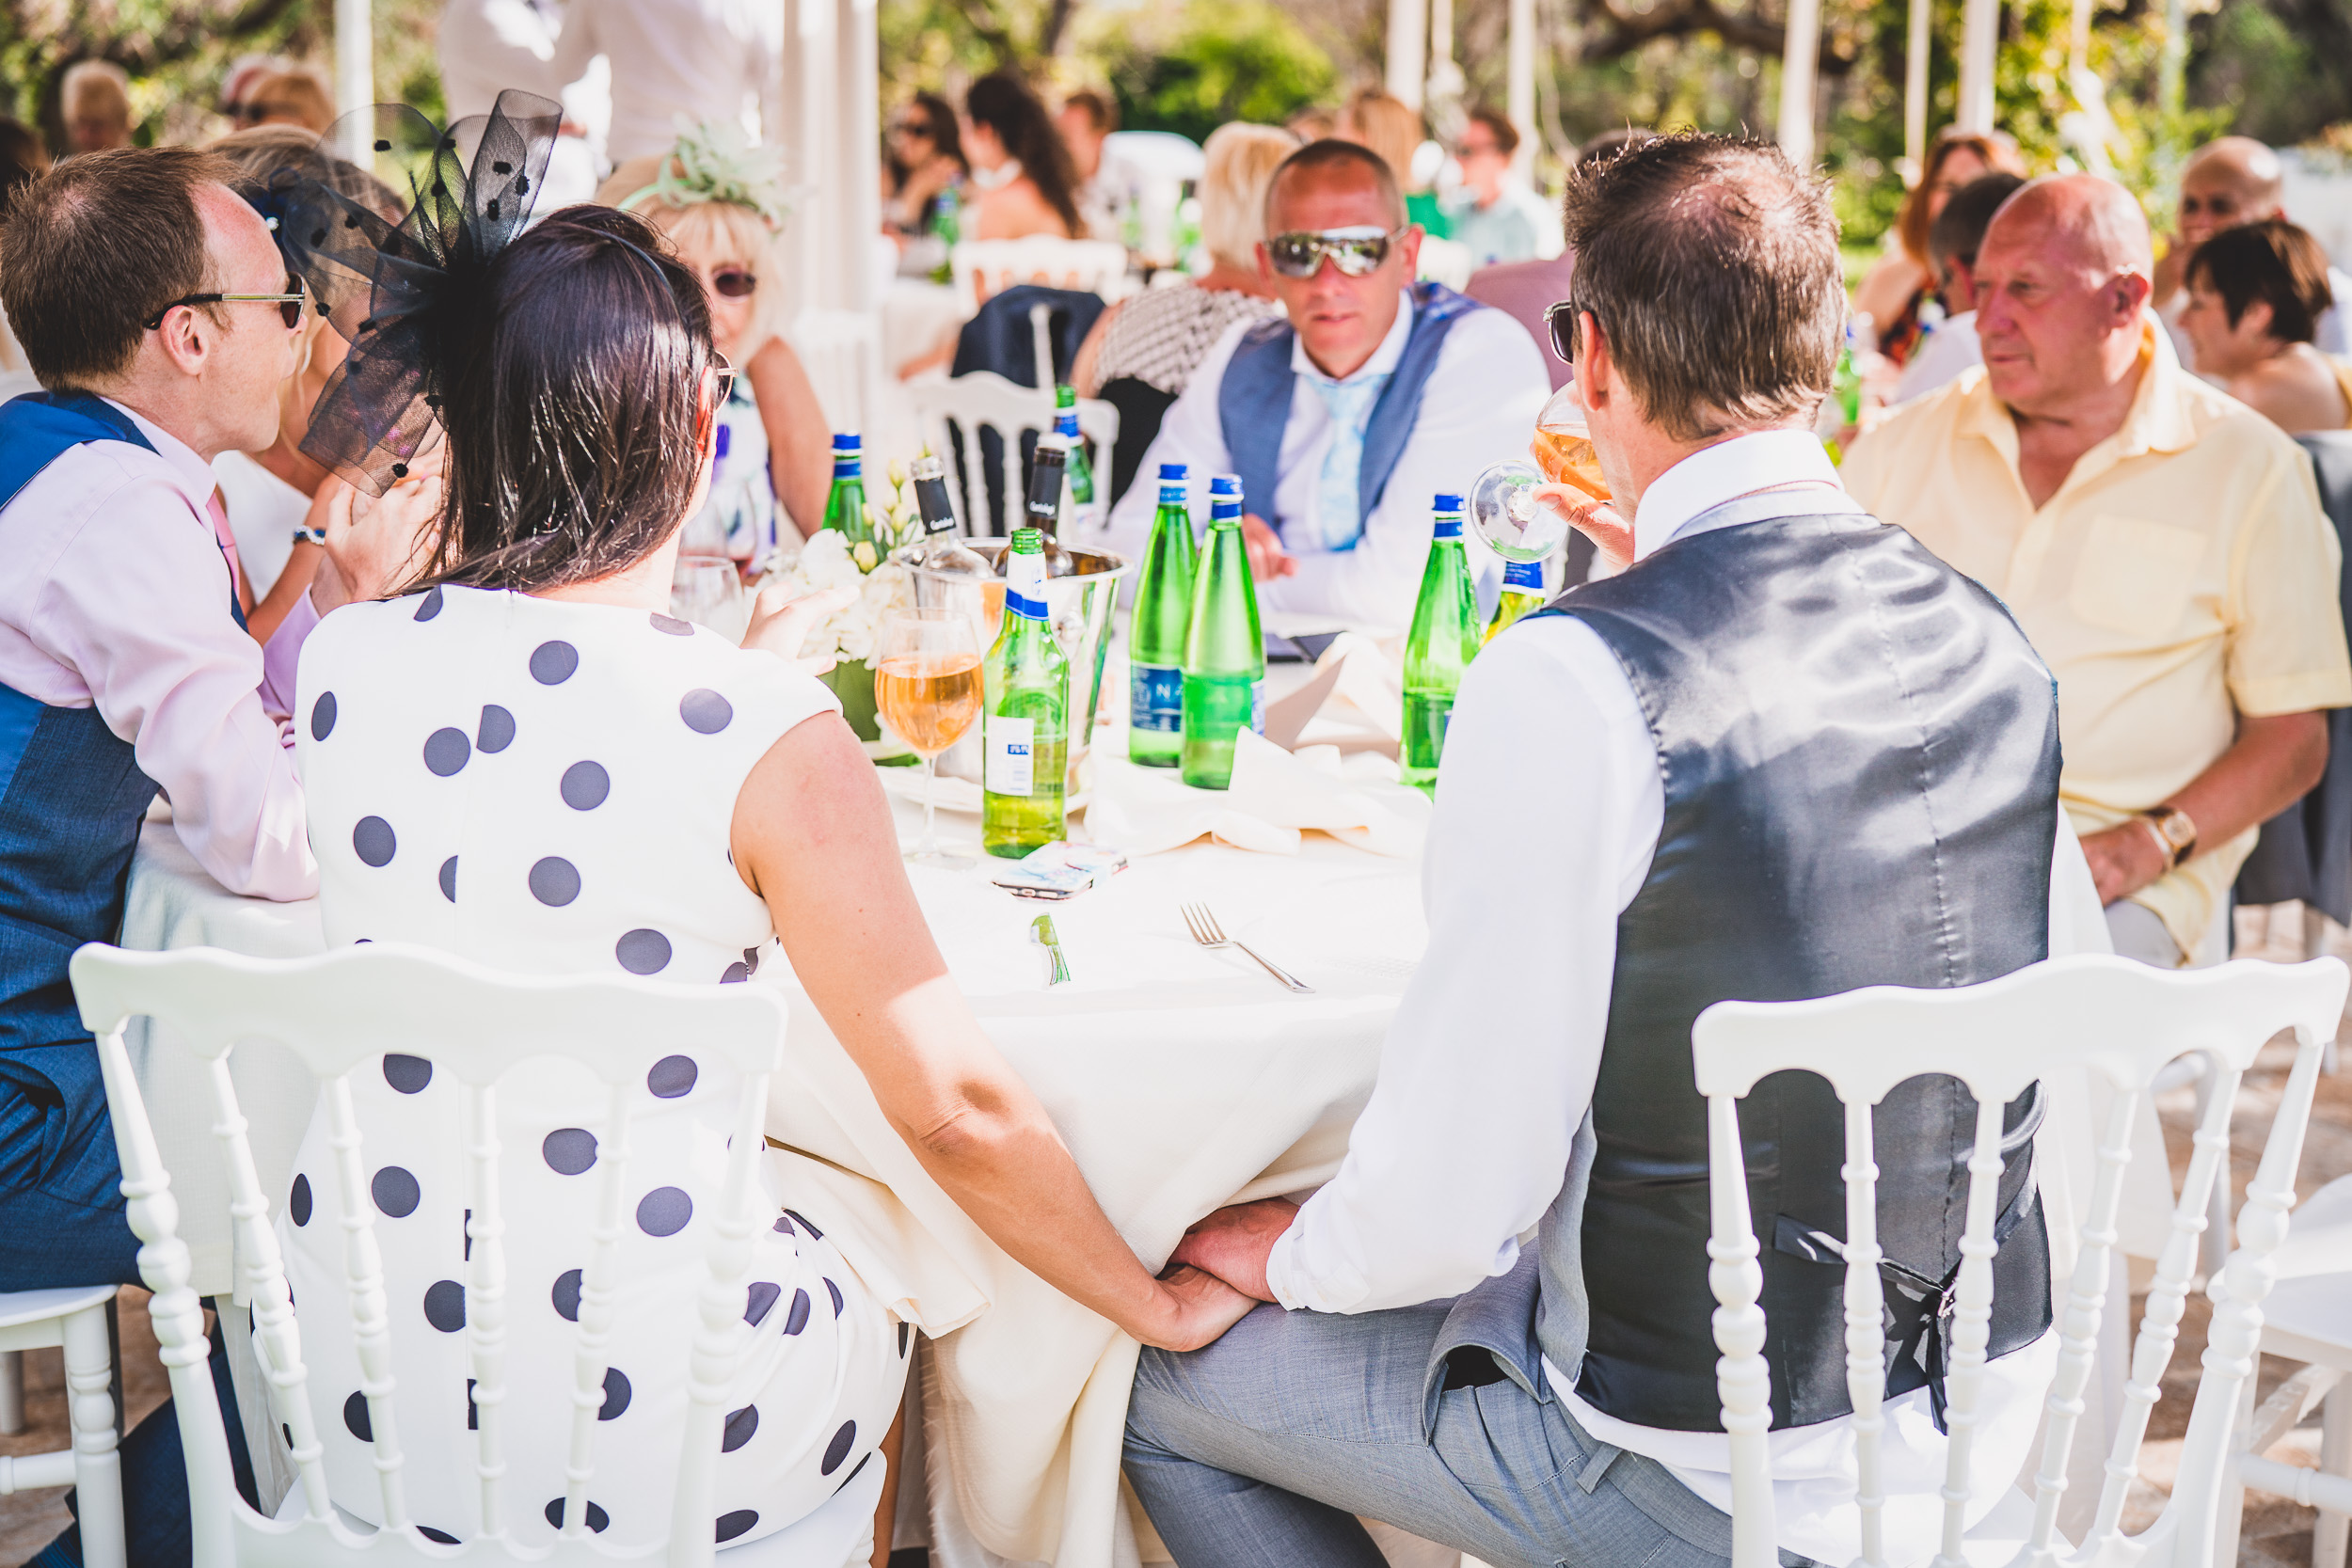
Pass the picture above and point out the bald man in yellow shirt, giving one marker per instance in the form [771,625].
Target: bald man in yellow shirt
[2161,545]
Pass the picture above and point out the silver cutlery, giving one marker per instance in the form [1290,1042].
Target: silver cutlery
[1042,932]
[1208,933]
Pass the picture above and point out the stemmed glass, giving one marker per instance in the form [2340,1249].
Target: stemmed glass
[927,683]
[708,591]
[1507,502]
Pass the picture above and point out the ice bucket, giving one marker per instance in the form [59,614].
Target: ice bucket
[1079,605]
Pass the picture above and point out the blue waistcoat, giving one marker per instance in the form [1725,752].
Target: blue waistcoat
[71,795]
[1254,402]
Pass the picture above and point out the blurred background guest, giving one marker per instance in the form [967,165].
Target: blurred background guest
[1893,291]
[1496,215]
[277,498]
[245,73]
[2228,182]
[296,96]
[923,166]
[720,202]
[24,158]
[710,60]
[486,46]
[1143,350]
[1949,346]
[1311,125]
[2256,293]
[1022,181]
[1106,185]
[95,100]
[1391,128]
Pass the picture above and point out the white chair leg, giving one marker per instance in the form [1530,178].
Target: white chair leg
[90,1412]
[11,1393]
[2213,1247]
[2335,1459]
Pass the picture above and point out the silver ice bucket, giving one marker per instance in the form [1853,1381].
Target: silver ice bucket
[1079,606]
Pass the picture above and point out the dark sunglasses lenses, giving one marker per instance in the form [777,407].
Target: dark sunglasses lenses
[290,311]
[1561,319]
[1301,254]
[734,282]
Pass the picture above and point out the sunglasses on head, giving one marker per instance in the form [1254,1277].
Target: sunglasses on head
[289,304]
[1357,251]
[734,282]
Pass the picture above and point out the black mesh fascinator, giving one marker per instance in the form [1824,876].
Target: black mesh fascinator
[407,298]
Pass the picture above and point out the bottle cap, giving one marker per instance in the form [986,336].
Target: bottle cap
[1170,472]
[927,467]
[1028,541]
[1065,395]
[845,440]
[1225,484]
[1446,504]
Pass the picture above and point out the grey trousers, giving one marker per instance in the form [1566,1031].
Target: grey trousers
[1262,1447]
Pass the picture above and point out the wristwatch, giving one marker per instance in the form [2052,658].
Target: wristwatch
[2175,832]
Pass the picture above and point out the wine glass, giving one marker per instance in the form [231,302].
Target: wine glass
[927,683]
[708,591]
[1506,504]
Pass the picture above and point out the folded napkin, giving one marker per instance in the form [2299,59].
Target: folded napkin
[1275,796]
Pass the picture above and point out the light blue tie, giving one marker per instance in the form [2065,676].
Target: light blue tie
[1338,520]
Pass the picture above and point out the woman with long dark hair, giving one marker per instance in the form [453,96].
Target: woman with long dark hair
[1023,181]
[925,163]
[525,758]
[1893,291]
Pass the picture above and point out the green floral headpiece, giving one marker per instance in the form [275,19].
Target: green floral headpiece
[715,161]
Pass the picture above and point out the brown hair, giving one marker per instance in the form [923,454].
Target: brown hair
[1506,135]
[294,96]
[1711,263]
[1005,105]
[2273,261]
[22,159]
[1100,111]
[1388,125]
[1958,231]
[1994,150]
[97,246]
[1332,153]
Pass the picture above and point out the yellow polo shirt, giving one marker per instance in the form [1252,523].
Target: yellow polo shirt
[2183,575]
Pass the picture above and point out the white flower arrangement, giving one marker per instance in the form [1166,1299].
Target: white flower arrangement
[830,560]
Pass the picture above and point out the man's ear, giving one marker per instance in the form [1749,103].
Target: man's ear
[1595,371]
[1409,248]
[2130,291]
[187,337]
[1266,265]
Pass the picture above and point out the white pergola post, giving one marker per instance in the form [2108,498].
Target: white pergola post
[1520,75]
[1802,48]
[859,154]
[820,153]
[354,70]
[1915,94]
[1408,49]
[1979,35]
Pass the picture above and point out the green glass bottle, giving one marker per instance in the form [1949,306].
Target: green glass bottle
[1224,650]
[1444,639]
[845,509]
[1155,637]
[1025,715]
[1079,483]
[1522,592]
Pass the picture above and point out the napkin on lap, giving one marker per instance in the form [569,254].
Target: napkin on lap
[1274,796]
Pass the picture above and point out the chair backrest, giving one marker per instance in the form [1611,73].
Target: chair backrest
[2112,1016]
[341,1011]
[985,267]
[955,411]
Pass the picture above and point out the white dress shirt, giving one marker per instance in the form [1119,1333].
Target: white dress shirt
[115,593]
[702,59]
[1477,408]
[1549,808]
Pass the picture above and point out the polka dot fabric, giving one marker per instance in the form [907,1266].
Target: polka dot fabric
[582,762]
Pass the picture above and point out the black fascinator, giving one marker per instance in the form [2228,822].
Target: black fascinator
[407,298]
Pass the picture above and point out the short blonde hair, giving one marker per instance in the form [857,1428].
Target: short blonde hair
[97,79]
[1242,159]
[1374,119]
[709,234]
[296,94]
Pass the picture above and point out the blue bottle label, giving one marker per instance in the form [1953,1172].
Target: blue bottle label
[1033,610]
[1156,697]
[845,467]
[1257,708]
[1525,575]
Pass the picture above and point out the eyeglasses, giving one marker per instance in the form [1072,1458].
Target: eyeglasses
[1357,251]
[289,304]
[1560,324]
[243,114]
[2211,206]
[734,282]
[920,129]
[724,370]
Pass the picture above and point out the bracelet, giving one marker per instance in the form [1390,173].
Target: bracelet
[2164,844]
[309,537]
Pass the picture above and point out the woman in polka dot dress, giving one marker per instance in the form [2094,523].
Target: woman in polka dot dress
[530,762]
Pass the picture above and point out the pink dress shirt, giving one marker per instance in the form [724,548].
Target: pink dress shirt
[114,591]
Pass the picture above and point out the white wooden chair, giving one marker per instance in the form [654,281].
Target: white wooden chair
[2308,1318]
[2123,1020]
[74,1317]
[982,268]
[954,411]
[339,1011]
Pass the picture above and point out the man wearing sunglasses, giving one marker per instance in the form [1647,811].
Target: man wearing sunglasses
[2228,182]
[1345,416]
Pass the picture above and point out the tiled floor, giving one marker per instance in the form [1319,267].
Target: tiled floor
[2277,1533]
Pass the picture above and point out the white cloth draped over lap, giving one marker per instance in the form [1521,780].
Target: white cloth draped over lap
[549,787]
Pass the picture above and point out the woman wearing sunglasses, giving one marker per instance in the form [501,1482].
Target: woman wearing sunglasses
[923,166]
[720,203]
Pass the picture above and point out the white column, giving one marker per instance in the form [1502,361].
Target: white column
[355,67]
[1521,74]
[820,154]
[1981,33]
[2172,64]
[1916,93]
[860,153]
[1803,48]
[1408,49]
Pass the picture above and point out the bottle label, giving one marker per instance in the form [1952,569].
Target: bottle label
[1257,708]
[1528,575]
[1008,766]
[1157,697]
[1032,610]
[845,467]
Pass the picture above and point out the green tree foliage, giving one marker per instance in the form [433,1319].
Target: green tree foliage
[1214,61]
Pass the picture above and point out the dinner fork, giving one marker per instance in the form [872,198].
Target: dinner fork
[1208,933]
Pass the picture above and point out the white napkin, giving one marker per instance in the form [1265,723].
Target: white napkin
[1275,796]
